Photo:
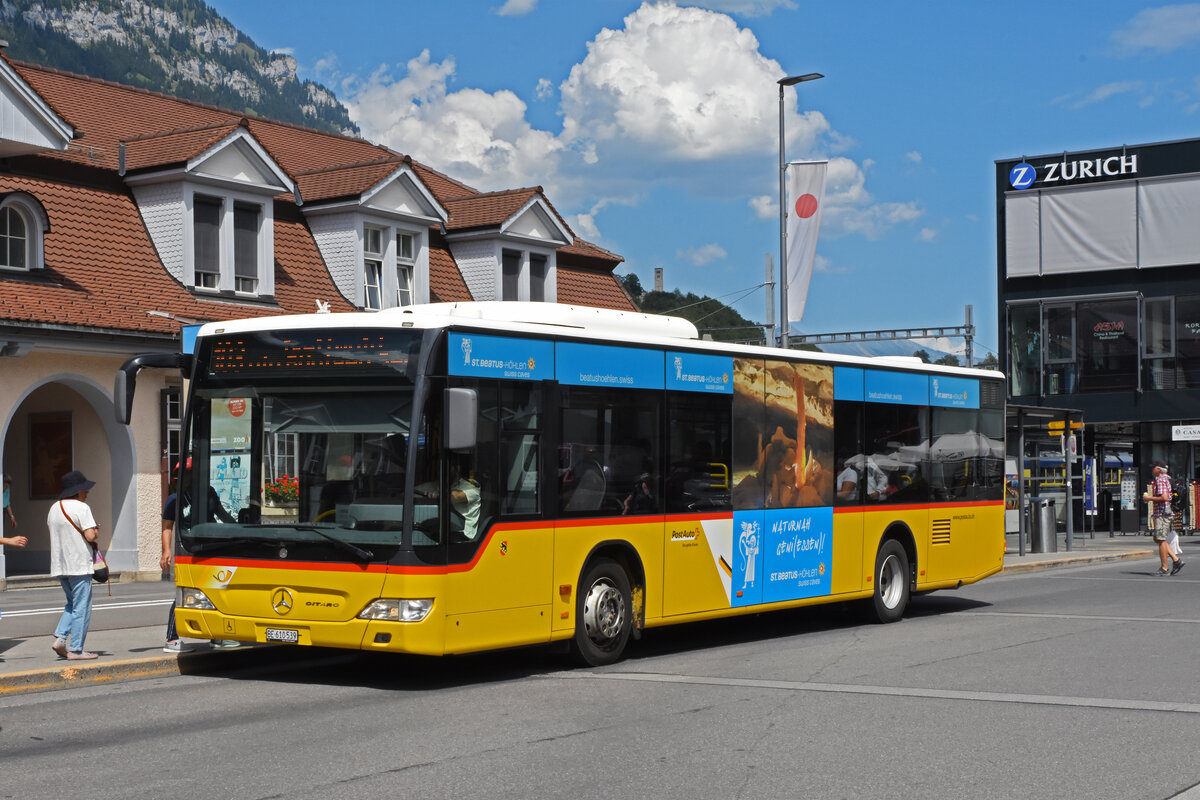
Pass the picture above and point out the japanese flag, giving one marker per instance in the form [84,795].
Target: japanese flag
[806,195]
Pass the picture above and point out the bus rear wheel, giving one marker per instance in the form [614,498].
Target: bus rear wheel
[891,583]
[603,614]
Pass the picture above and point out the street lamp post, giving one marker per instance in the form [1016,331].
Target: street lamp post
[783,286]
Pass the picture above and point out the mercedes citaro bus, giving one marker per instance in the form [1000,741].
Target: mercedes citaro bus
[452,478]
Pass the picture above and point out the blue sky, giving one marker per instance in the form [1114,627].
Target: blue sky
[654,127]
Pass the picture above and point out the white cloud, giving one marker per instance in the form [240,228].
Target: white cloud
[1163,29]
[680,84]
[927,235]
[850,208]
[477,137]
[913,156]
[1100,94]
[516,8]
[705,254]
[746,8]
[676,97]
[765,206]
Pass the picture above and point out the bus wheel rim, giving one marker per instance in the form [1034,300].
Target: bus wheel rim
[603,612]
[891,582]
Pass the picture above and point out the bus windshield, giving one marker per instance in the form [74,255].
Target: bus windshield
[310,469]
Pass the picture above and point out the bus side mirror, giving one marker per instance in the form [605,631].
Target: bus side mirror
[127,378]
[462,410]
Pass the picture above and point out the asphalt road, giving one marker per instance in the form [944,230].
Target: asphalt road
[1064,683]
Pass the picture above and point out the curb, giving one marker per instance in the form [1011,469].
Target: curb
[70,675]
[1073,561]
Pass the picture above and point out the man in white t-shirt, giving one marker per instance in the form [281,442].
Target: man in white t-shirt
[73,529]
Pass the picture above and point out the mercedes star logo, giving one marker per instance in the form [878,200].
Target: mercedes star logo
[282,601]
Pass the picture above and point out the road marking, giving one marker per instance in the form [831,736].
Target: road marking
[35,612]
[892,691]
[1078,616]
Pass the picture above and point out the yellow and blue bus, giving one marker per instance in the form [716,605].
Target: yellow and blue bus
[454,478]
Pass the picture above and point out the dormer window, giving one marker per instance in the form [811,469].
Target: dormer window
[245,247]
[227,244]
[23,224]
[14,238]
[206,230]
[210,212]
[405,261]
[372,267]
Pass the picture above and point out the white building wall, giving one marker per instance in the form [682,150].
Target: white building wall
[164,214]
[477,261]
[336,236]
[124,461]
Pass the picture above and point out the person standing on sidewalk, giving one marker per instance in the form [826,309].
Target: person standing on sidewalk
[1160,519]
[73,529]
[8,512]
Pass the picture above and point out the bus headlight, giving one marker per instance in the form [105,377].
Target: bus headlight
[397,610]
[193,600]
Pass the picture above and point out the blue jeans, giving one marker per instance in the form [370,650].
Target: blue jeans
[171,633]
[77,613]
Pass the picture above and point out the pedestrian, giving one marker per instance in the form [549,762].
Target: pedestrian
[1161,519]
[8,512]
[13,541]
[73,532]
[216,512]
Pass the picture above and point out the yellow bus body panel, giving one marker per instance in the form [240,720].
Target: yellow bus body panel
[522,585]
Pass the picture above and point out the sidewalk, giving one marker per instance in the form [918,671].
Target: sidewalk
[28,664]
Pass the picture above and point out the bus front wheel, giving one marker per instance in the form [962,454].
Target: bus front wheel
[603,614]
[891,583]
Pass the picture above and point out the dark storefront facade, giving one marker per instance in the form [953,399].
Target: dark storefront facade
[1099,308]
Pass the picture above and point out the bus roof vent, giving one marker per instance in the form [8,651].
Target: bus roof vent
[626,324]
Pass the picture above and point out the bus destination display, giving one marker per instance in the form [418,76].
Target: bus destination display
[311,353]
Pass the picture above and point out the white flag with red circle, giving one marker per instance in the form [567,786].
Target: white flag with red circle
[806,195]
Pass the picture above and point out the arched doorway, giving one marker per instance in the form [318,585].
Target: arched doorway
[64,422]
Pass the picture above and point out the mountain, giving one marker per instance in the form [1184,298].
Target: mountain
[179,47]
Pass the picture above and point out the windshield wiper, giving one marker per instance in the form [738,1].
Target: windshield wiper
[365,555]
[213,544]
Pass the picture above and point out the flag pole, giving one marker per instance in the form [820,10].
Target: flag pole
[785,324]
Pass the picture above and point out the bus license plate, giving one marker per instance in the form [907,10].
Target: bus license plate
[282,635]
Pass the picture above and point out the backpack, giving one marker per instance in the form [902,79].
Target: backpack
[1178,496]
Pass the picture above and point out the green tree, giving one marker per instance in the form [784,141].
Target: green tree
[633,285]
[990,361]
[949,360]
[922,354]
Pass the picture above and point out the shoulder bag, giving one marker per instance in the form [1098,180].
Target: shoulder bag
[99,565]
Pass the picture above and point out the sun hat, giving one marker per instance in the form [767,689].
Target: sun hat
[73,483]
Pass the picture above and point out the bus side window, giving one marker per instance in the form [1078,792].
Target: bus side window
[698,452]
[610,444]
[519,416]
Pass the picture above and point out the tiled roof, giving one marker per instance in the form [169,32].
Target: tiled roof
[486,210]
[106,274]
[173,147]
[344,182]
[446,284]
[584,287]
[102,270]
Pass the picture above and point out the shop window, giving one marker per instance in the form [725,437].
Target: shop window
[1059,326]
[1025,350]
[1107,342]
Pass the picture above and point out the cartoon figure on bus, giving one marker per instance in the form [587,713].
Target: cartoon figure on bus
[466,348]
[748,547]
